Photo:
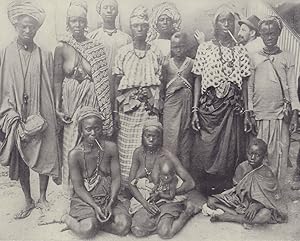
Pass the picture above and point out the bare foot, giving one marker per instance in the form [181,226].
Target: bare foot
[295,186]
[50,218]
[43,204]
[25,212]
[192,209]
[215,219]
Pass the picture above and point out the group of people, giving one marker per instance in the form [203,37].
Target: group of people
[144,133]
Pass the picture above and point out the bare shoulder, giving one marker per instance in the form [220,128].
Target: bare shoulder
[75,154]
[138,152]
[110,147]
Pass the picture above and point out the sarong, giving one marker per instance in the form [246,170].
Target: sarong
[101,194]
[176,123]
[276,134]
[145,221]
[219,146]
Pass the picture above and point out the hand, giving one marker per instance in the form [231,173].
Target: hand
[294,122]
[154,197]
[152,208]
[108,211]
[195,122]
[100,215]
[63,118]
[251,212]
[250,123]
[199,36]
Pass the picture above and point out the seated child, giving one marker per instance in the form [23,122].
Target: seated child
[256,198]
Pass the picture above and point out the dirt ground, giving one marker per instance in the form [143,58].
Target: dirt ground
[199,228]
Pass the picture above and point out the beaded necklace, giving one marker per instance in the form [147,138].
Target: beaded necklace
[229,63]
[147,170]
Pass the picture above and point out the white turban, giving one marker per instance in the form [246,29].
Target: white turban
[30,8]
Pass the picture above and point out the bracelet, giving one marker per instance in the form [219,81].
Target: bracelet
[195,109]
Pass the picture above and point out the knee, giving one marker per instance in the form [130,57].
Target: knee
[211,202]
[88,229]
[123,224]
[263,216]
[164,232]
[138,232]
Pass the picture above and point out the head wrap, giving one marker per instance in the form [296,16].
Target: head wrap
[77,8]
[153,123]
[86,112]
[165,8]
[139,15]
[100,2]
[223,9]
[30,8]
[273,19]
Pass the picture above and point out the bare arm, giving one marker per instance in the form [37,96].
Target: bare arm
[188,182]
[58,75]
[115,172]
[132,175]
[117,79]
[245,92]
[197,92]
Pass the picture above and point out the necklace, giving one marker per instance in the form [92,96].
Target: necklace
[110,32]
[227,64]
[144,52]
[149,170]
[99,160]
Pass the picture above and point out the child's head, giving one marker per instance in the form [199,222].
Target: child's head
[90,124]
[257,151]
[167,172]
[178,44]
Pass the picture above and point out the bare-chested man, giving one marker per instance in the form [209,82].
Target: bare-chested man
[95,175]
[165,218]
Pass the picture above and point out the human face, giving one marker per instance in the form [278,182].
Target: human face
[26,28]
[77,26]
[255,156]
[269,33]
[164,24]
[139,30]
[178,48]
[151,138]
[91,129]
[244,34]
[109,10]
[224,22]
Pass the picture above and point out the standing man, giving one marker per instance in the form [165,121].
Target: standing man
[249,35]
[111,37]
[272,89]
[27,111]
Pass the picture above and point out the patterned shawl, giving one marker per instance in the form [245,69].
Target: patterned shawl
[94,53]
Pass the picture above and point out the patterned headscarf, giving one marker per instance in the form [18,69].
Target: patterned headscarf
[139,15]
[168,9]
[30,8]
[153,123]
[271,19]
[223,9]
[77,8]
[100,2]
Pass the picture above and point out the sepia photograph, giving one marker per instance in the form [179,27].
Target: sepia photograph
[124,120]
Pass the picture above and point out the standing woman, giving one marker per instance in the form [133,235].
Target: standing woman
[137,72]
[222,69]
[80,74]
[27,111]
[165,20]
